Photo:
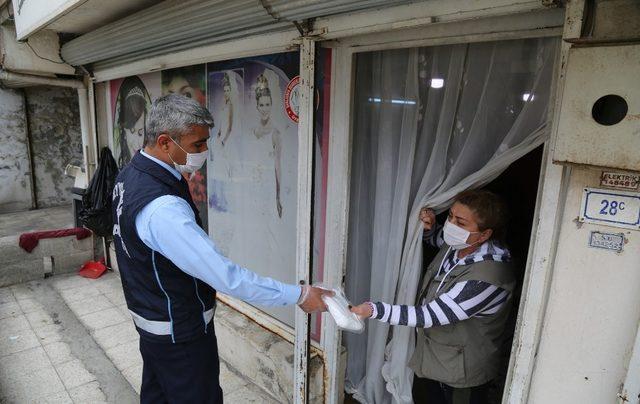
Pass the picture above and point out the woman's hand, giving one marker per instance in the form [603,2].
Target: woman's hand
[363,311]
[428,218]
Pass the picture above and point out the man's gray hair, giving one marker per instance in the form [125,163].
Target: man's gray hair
[174,114]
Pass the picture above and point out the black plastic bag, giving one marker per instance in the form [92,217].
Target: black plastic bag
[96,211]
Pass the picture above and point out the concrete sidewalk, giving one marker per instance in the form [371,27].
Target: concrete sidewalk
[68,339]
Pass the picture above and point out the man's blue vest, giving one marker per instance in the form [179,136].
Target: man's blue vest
[167,304]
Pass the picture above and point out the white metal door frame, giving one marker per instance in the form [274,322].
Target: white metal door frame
[337,214]
[303,223]
[552,179]
[552,190]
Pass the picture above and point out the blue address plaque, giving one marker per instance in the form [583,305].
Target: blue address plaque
[611,208]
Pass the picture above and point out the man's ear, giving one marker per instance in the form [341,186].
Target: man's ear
[163,141]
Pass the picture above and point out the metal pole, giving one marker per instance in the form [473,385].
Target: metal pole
[94,153]
[85,125]
[94,150]
[303,227]
[39,80]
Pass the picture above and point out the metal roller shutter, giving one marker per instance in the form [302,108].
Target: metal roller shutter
[177,25]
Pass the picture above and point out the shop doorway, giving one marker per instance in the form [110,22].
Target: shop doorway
[428,124]
[518,187]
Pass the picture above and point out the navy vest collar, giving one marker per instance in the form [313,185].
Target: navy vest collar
[148,166]
[154,169]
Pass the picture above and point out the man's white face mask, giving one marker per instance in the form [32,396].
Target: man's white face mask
[455,236]
[194,162]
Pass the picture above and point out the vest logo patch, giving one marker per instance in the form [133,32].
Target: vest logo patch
[118,193]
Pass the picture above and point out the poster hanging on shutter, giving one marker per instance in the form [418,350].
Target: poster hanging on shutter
[131,99]
[252,167]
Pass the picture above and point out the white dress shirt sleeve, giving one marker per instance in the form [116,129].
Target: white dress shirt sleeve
[167,225]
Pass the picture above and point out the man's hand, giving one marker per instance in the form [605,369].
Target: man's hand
[428,218]
[311,299]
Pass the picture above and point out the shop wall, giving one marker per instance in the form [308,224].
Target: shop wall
[54,125]
[593,310]
[15,188]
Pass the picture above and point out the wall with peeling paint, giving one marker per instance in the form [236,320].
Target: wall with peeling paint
[590,325]
[54,132]
[56,141]
[593,310]
[15,181]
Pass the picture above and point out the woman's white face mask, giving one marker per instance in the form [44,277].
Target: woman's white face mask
[194,162]
[455,236]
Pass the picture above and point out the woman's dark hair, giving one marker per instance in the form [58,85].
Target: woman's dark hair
[194,75]
[489,209]
[132,98]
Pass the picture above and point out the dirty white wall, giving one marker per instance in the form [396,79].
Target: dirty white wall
[15,187]
[54,130]
[56,141]
[593,311]
[593,308]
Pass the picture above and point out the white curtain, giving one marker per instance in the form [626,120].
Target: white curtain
[429,123]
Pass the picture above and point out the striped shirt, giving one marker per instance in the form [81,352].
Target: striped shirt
[464,300]
[435,236]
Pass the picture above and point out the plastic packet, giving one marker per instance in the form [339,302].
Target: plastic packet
[338,307]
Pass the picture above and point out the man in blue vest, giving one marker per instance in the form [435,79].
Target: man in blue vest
[170,268]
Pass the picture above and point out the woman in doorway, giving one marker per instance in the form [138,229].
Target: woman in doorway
[132,105]
[463,303]
[267,131]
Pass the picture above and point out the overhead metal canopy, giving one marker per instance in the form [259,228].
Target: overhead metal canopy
[70,16]
[177,25]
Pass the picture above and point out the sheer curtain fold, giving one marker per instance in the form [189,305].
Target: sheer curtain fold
[428,123]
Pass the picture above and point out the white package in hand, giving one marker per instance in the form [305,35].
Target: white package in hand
[338,307]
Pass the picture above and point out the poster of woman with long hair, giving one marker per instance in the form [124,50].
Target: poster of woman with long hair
[130,113]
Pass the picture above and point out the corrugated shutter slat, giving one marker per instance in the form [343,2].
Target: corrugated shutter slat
[177,25]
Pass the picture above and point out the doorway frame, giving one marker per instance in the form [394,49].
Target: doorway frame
[552,182]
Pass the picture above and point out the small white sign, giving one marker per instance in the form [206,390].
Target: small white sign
[607,241]
[611,208]
[620,180]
